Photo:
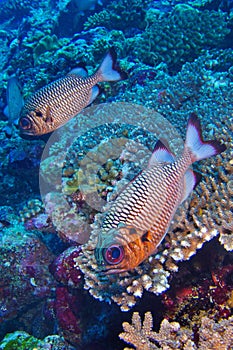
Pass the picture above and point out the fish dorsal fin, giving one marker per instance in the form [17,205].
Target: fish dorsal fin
[191,180]
[161,153]
[80,71]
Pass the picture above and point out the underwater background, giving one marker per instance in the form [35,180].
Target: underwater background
[179,59]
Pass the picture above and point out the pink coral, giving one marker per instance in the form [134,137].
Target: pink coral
[66,309]
[63,268]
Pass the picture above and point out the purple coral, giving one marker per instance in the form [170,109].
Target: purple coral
[63,268]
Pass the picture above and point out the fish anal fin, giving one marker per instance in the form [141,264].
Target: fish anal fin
[161,153]
[94,93]
[191,180]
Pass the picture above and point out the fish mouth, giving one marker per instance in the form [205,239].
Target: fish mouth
[114,271]
[25,132]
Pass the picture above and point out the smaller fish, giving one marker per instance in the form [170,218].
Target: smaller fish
[139,218]
[56,103]
[14,104]
[83,5]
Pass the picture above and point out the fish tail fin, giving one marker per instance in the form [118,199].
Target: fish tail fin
[198,148]
[108,70]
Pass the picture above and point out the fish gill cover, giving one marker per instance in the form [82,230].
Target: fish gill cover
[55,194]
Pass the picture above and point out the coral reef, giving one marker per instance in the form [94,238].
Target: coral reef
[207,293]
[175,38]
[212,335]
[179,59]
[20,162]
[63,268]
[20,340]
[198,221]
[133,12]
[25,278]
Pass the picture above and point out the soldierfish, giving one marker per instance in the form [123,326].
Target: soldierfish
[56,103]
[139,218]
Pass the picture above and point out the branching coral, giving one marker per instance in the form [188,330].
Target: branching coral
[172,336]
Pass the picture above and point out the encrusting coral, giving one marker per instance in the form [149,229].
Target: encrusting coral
[176,38]
[172,336]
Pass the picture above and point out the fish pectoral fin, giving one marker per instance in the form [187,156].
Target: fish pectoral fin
[191,179]
[48,116]
[146,237]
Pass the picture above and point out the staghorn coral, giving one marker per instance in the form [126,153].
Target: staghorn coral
[172,336]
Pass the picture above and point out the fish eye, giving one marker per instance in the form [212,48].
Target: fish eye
[25,123]
[114,254]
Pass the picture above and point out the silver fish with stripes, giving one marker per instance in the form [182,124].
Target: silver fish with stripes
[139,218]
[56,103]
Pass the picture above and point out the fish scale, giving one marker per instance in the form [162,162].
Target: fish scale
[126,207]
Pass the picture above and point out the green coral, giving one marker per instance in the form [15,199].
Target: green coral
[20,340]
[130,12]
[46,43]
